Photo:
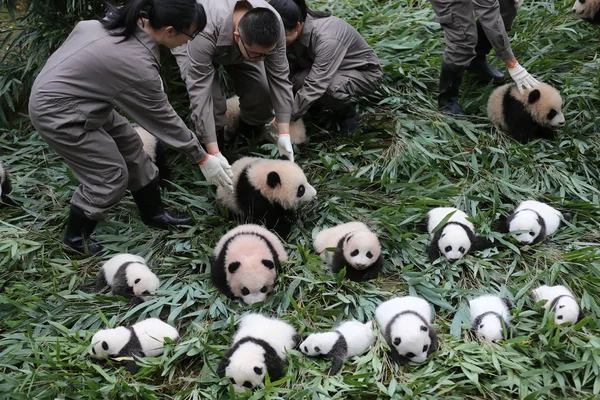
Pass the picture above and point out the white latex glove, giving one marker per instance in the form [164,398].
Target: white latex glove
[224,163]
[284,143]
[522,78]
[213,170]
[518,3]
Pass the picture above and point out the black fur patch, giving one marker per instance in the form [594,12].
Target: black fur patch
[338,354]
[339,262]
[275,365]
[262,210]
[519,122]
[218,267]
[120,286]
[534,96]
[542,235]
[101,282]
[397,357]
[273,179]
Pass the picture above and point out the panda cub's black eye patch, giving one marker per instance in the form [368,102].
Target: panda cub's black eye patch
[425,348]
[93,350]
[354,253]
[105,345]
[245,291]
[582,1]
[448,248]
[233,381]
[263,289]
[531,233]
[461,249]
[559,317]
[137,280]
[301,191]
[257,370]
[369,254]
[552,113]
[397,341]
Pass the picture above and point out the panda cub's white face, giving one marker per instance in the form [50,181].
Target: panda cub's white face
[246,368]
[411,338]
[566,310]
[319,343]
[142,280]
[454,242]
[526,221]
[108,342]
[585,8]
[361,249]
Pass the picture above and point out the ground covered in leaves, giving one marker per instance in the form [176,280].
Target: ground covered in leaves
[406,159]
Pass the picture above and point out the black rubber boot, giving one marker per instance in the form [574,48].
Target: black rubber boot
[479,66]
[450,80]
[346,119]
[151,208]
[78,237]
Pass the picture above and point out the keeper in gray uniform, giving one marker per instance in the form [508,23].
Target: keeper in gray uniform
[115,63]
[330,62]
[247,39]
[468,41]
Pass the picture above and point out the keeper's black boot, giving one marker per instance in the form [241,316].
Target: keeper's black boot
[78,237]
[151,208]
[249,131]
[483,71]
[346,119]
[450,80]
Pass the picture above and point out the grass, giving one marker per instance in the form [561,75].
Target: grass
[407,159]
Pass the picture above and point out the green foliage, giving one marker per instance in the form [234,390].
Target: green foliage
[406,159]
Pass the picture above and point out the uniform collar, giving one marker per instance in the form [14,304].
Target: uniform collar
[306,31]
[148,41]
[226,34]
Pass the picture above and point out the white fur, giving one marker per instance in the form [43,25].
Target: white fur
[149,141]
[359,337]
[277,333]
[250,251]
[151,333]
[566,308]
[407,327]
[525,220]
[233,115]
[453,238]
[362,239]
[490,327]
[111,266]
[115,339]
[147,281]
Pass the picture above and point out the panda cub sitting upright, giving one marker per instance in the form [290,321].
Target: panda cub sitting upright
[535,113]
[588,10]
[406,326]
[258,347]
[357,249]
[561,301]
[533,221]
[267,191]
[490,317]
[247,259]
[349,339]
[455,238]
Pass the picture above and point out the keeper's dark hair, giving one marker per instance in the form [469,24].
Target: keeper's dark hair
[180,14]
[294,11]
[260,26]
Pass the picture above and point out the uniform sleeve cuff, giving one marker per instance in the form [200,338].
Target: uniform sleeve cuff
[283,118]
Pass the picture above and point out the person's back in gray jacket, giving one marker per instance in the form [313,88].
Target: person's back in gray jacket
[330,62]
[103,65]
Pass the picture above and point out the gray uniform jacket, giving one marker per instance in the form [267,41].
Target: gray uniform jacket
[94,73]
[215,45]
[326,46]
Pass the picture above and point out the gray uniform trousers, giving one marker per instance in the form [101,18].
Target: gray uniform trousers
[461,30]
[344,85]
[106,161]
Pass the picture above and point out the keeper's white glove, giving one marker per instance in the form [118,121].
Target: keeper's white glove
[522,78]
[214,169]
[518,3]
[284,143]
[224,163]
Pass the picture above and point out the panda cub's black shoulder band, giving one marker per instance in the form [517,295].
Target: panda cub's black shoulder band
[338,354]
[133,347]
[120,286]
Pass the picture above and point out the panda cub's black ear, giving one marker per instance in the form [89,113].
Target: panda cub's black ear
[284,157]
[534,96]
[273,179]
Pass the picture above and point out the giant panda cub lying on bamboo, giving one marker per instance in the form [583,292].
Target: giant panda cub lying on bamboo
[267,191]
[533,114]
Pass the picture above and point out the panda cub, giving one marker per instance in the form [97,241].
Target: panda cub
[406,326]
[246,262]
[349,339]
[455,238]
[143,339]
[537,219]
[559,300]
[535,113]
[129,276]
[156,151]
[267,191]
[588,10]
[357,249]
[258,347]
[5,185]
[490,317]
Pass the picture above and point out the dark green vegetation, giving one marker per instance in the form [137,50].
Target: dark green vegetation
[407,159]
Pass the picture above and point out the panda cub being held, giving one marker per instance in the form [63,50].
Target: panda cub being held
[349,339]
[155,149]
[357,249]
[561,301]
[246,262]
[143,339]
[129,276]
[533,114]
[406,326]
[455,238]
[588,10]
[258,347]
[490,317]
[267,191]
